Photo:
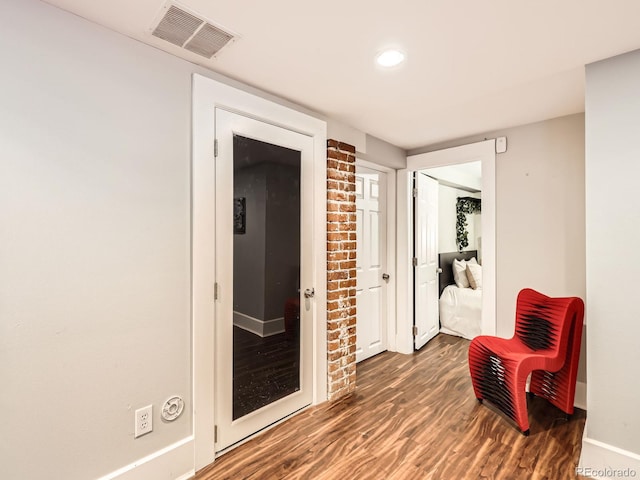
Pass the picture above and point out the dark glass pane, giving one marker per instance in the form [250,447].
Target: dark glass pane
[266,274]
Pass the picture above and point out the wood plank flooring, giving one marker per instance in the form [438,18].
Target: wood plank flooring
[411,417]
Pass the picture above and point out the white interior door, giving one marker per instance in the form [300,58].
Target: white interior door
[426,313]
[263,330]
[371,263]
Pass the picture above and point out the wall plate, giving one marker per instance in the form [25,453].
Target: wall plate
[172,408]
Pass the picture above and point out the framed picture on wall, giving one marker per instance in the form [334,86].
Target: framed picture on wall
[240,216]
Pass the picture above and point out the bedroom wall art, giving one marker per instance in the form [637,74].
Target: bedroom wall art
[465,206]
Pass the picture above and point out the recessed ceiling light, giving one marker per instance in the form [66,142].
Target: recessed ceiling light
[390,58]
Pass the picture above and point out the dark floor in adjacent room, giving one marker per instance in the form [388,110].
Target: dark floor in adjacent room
[265,369]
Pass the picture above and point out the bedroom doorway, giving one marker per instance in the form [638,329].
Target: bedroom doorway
[483,152]
[455,299]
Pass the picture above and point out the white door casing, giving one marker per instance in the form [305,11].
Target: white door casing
[481,151]
[371,262]
[227,124]
[207,95]
[426,314]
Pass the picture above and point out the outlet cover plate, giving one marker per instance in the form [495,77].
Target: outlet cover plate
[143,421]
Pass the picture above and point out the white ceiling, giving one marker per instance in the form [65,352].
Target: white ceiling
[471,66]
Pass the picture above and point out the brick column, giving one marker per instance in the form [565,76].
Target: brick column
[341,269]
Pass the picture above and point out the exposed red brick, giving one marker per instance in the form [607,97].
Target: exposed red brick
[332,163]
[341,256]
[332,367]
[333,246]
[338,217]
[337,256]
[347,207]
[337,236]
[348,283]
[338,155]
[335,174]
[338,275]
[346,147]
[333,265]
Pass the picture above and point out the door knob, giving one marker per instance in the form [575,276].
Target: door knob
[309,293]
[438,270]
[385,276]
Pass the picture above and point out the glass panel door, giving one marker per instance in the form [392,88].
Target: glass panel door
[263,262]
[266,273]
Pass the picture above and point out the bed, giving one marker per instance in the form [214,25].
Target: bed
[460,308]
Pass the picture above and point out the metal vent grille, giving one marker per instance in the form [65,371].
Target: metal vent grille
[188,31]
[208,41]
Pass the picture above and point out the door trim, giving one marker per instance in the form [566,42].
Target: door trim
[391,247]
[207,94]
[480,151]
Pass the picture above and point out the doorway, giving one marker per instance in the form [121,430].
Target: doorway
[480,151]
[453,231]
[372,271]
[210,287]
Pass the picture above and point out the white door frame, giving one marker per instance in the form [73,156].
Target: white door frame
[480,151]
[207,94]
[391,248]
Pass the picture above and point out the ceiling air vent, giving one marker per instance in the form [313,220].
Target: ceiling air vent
[191,32]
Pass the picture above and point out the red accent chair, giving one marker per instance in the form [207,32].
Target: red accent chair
[546,343]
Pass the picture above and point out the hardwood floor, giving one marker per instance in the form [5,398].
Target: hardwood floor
[411,417]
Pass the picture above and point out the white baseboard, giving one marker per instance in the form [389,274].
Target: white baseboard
[580,399]
[603,461]
[263,328]
[174,462]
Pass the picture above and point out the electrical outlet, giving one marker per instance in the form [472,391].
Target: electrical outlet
[144,421]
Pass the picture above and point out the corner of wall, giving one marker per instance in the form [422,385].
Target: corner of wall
[604,461]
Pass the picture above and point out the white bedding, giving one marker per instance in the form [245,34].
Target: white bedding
[460,311]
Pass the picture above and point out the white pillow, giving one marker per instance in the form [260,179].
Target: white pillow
[474,275]
[460,272]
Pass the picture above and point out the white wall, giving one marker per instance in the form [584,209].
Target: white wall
[95,256]
[540,232]
[540,213]
[613,312]
[447,218]
[95,242]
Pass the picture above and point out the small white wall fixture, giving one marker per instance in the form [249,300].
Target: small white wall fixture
[207,96]
[480,151]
